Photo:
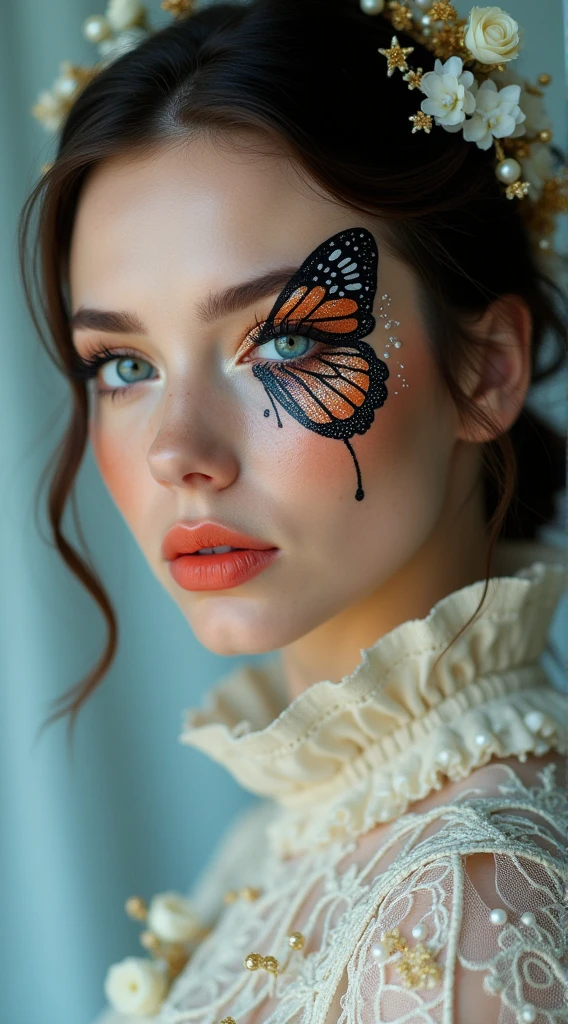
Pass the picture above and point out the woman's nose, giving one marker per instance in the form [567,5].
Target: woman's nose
[196,444]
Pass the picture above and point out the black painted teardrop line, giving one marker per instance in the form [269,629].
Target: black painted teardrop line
[359,493]
[273,406]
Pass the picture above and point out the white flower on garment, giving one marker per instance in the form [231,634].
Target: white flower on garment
[447,90]
[136,985]
[172,918]
[497,113]
[492,36]
[122,14]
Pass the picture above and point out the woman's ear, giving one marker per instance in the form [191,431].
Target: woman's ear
[499,374]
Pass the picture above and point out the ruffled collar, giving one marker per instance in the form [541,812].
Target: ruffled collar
[344,756]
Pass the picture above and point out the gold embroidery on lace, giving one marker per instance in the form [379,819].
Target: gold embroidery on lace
[417,964]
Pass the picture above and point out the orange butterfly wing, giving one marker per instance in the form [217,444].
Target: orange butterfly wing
[336,391]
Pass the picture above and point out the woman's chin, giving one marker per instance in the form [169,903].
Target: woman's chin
[227,636]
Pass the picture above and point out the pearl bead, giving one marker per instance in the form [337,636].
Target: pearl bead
[528,919]
[508,171]
[425,20]
[419,931]
[425,5]
[545,135]
[498,916]
[444,757]
[528,1013]
[543,243]
[96,28]
[379,952]
[372,6]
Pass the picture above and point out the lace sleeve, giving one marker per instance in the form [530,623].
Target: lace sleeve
[469,937]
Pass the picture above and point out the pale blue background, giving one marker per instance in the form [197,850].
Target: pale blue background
[135,811]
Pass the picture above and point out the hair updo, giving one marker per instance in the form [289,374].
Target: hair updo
[306,74]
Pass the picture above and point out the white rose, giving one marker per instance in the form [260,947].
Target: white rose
[497,114]
[122,14]
[172,918]
[136,985]
[447,90]
[492,36]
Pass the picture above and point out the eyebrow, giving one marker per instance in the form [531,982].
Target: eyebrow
[215,306]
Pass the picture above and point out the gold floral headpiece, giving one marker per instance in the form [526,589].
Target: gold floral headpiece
[124,26]
[471,89]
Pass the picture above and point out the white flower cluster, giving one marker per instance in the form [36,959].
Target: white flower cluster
[453,93]
[492,37]
[138,985]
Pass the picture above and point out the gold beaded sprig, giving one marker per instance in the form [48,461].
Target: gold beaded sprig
[258,962]
[417,964]
[248,893]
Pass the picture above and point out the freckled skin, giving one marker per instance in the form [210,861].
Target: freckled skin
[156,236]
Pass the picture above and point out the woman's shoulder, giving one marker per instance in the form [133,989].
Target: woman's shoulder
[467,918]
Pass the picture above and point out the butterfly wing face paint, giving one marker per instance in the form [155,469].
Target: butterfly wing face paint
[334,392]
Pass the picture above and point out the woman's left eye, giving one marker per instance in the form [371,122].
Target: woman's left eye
[286,346]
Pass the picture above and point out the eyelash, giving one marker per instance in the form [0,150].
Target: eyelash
[85,368]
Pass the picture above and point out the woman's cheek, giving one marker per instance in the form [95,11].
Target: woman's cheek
[117,465]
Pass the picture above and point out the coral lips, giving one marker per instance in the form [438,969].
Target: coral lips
[220,570]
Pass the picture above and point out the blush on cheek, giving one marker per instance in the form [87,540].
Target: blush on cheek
[117,469]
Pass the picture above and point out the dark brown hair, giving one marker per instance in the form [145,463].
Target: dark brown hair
[306,74]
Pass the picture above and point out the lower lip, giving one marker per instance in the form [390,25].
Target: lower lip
[221,571]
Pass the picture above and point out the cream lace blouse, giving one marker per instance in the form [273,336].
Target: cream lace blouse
[413,830]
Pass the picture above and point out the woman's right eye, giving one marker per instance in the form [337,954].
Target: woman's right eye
[124,370]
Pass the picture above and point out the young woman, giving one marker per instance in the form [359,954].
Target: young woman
[301,334]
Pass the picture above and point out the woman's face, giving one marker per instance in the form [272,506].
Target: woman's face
[193,434]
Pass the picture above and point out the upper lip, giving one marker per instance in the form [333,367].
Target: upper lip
[185,538]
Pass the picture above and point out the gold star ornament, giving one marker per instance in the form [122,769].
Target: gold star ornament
[421,121]
[517,190]
[414,78]
[396,56]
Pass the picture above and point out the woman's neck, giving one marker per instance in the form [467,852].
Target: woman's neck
[453,556]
